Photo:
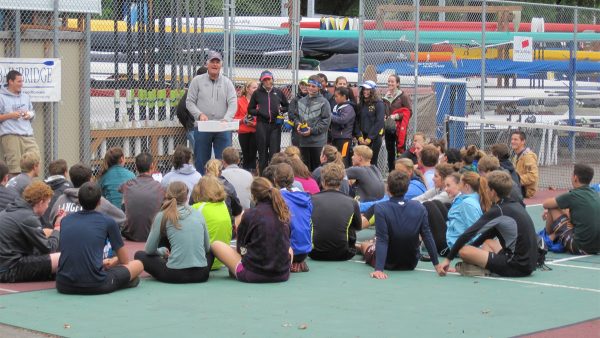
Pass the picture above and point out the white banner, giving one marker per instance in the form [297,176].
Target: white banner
[522,49]
[71,6]
[41,77]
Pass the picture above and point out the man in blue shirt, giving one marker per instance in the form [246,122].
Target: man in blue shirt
[81,268]
[398,224]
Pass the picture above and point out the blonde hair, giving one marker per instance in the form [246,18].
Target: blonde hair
[213,167]
[363,151]
[480,185]
[209,189]
[28,161]
[292,151]
[244,90]
[175,195]
[409,166]
[488,163]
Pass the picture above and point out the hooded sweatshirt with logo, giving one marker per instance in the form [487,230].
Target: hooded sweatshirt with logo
[11,102]
[69,202]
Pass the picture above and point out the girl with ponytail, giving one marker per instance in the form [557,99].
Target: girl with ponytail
[263,253]
[468,206]
[112,175]
[188,260]
[330,154]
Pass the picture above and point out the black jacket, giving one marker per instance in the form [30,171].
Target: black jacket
[371,118]
[267,105]
[21,235]
[508,166]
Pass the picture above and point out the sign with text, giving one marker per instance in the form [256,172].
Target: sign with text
[522,49]
[41,77]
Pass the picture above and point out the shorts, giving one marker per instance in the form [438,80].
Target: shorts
[244,275]
[116,278]
[405,264]
[563,229]
[29,269]
[13,147]
[336,255]
[499,263]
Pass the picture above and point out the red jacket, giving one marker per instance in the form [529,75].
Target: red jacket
[241,113]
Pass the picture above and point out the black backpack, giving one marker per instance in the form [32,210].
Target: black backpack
[183,115]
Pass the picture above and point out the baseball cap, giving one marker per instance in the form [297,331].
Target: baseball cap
[214,55]
[369,85]
[266,75]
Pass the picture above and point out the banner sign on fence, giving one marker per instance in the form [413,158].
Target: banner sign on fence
[41,77]
[71,6]
[522,49]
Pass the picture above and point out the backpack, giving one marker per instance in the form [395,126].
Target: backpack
[183,115]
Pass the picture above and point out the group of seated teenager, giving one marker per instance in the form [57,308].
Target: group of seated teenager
[451,203]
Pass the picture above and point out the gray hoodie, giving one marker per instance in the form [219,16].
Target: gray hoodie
[217,99]
[69,202]
[186,174]
[11,102]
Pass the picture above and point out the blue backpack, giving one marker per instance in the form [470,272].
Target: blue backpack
[555,247]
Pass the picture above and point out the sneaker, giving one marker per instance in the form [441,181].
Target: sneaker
[134,282]
[299,267]
[471,270]
[425,258]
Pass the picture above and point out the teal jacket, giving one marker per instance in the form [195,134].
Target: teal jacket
[111,183]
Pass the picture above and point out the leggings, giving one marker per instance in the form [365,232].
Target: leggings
[248,145]
[437,215]
[157,267]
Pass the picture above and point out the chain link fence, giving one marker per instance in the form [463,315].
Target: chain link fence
[126,66]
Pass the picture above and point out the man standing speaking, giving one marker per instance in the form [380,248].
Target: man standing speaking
[211,96]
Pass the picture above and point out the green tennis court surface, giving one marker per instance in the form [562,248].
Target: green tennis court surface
[334,299]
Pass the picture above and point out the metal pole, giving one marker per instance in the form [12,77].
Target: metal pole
[416,97]
[310,8]
[226,37]
[573,85]
[55,54]
[188,41]
[295,44]
[483,59]
[361,39]
[84,98]
[17,51]
[284,11]
[232,41]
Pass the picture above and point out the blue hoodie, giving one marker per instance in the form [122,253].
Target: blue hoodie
[463,213]
[10,102]
[300,205]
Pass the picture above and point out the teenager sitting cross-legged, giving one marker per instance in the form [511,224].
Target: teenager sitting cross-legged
[263,253]
[398,225]
[81,267]
[188,260]
[514,252]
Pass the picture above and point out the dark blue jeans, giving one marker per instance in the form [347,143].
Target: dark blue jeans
[205,142]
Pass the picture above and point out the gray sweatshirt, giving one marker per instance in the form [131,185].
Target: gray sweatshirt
[69,202]
[10,102]
[217,99]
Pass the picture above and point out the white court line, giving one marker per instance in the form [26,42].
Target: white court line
[575,266]
[533,205]
[530,282]
[567,259]
[8,290]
